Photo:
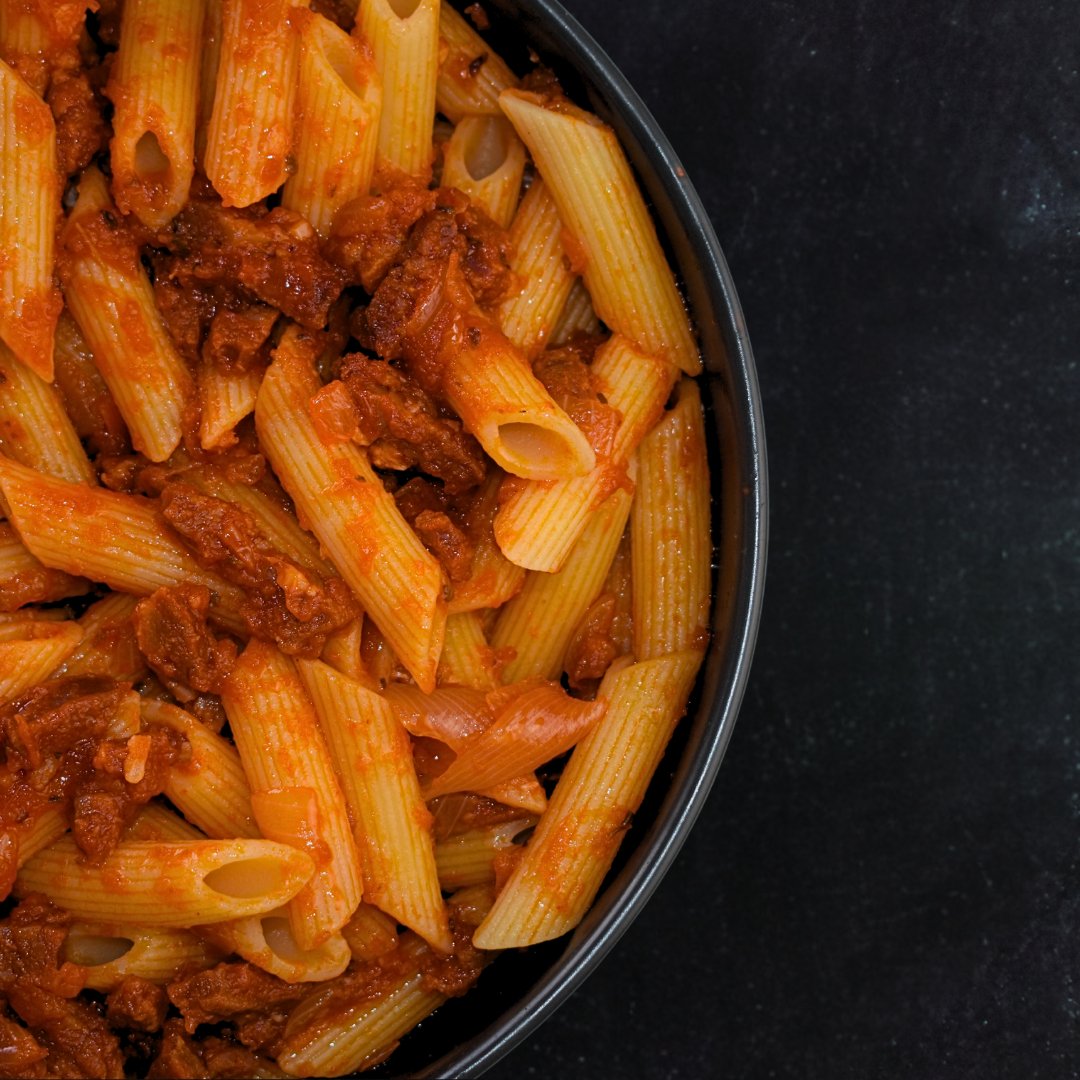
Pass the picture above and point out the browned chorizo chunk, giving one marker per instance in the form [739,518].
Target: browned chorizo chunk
[239,341]
[285,603]
[592,647]
[368,234]
[273,255]
[565,373]
[241,993]
[402,427]
[81,130]
[177,1059]
[137,1004]
[173,635]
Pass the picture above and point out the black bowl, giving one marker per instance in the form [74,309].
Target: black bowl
[522,989]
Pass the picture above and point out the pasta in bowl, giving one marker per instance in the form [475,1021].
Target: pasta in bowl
[356,563]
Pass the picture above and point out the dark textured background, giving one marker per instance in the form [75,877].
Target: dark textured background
[884,882]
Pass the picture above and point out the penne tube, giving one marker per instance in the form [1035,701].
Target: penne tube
[338,495]
[208,72]
[490,385]
[371,933]
[43,825]
[471,76]
[108,646]
[671,550]
[467,659]
[34,427]
[269,942]
[611,237]
[539,724]
[404,40]
[249,137]
[210,789]
[485,159]
[540,621]
[537,525]
[347,1037]
[30,650]
[339,100]
[110,953]
[29,209]
[593,804]
[295,796]
[109,294]
[226,398]
[373,756]
[343,651]
[577,316]
[169,883]
[106,536]
[469,857]
[154,85]
[529,317]
[24,579]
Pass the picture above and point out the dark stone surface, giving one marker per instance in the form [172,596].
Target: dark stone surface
[885,880]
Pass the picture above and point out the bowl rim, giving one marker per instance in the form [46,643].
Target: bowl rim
[624,898]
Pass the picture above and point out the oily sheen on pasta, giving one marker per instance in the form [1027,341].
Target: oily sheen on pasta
[354,526]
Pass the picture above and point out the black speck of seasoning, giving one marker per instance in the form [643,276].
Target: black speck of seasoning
[473,334]
[477,64]
[109,218]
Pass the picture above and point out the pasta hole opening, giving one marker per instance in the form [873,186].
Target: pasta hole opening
[530,444]
[93,950]
[342,59]
[486,150]
[279,937]
[151,162]
[246,878]
[404,9]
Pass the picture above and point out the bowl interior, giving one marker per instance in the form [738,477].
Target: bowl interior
[521,990]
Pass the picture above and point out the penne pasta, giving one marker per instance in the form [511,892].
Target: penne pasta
[404,40]
[154,87]
[108,646]
[339,101]
[26,580]
[348,1037]
[34,426]
[249,137]
[30,650]
[537,525]
[467,659]
[225,399]
[669,533]
[29,210]
[399,584]
[269,942]
[374,761]
[295,795]
[540,621]
[613,240]
[109,294]
[485,159]
[105,536]
[539,724]
[471,76]
[210,789]
[577,316]
[169,883]
[469,858]
[110,953]
[530,317]
[595,799]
